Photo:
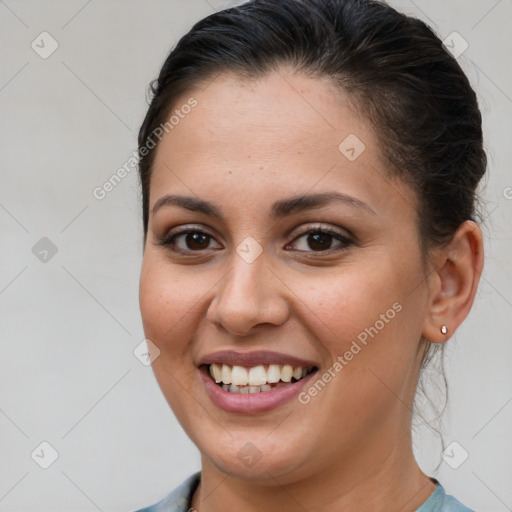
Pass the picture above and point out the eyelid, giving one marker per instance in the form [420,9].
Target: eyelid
[325,227]
[345,239]
[169,234]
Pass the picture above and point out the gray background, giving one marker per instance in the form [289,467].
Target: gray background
[70,324]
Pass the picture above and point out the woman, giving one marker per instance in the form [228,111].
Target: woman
[308,173]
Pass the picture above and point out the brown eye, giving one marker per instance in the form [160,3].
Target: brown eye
[188,241]
[196,241]
[321,240]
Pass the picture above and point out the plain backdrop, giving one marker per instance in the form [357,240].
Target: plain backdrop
[70,262]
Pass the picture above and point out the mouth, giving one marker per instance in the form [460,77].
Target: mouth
[254,382]
[256,379]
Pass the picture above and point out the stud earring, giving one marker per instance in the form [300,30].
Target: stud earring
[444,329]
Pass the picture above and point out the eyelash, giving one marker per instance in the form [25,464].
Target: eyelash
[169,240]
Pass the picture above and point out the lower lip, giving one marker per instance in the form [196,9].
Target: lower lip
[251,403]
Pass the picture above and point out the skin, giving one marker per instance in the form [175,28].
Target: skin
[247,144]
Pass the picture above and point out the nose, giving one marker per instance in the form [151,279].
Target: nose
[249,295]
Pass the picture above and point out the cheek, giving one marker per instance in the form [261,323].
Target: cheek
[345,302]
[167,299]
[369,316]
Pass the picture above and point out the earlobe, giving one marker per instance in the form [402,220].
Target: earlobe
[454,282]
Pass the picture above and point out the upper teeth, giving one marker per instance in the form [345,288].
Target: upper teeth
[256,375]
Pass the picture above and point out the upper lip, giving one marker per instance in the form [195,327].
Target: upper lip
[253,358]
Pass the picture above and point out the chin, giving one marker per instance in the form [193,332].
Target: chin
[254,458]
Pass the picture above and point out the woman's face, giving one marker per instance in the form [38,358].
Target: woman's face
[331,284]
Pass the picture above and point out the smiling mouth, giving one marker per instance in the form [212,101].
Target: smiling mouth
[256,379]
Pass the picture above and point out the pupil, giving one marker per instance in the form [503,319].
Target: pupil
[318,241]
[197,241]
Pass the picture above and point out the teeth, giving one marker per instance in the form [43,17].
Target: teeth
[286,373]
[239,376]
[226,374]
[273,373]
[238,379]
[216,372]
[257,375]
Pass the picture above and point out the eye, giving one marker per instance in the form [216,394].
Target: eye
[321,239]
[188,240]
[316,239]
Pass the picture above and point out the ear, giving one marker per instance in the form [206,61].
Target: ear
[453,282]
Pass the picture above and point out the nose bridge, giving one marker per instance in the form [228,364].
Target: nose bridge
[248,294]
[249,278]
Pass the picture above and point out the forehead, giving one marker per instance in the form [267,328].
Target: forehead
[282,133]
[278,110]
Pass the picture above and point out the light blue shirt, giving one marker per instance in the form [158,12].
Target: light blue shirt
[179,500]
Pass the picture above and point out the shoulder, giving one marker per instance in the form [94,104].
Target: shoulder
[179,499]
[439,501]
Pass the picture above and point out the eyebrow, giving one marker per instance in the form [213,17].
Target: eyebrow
[280,208]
